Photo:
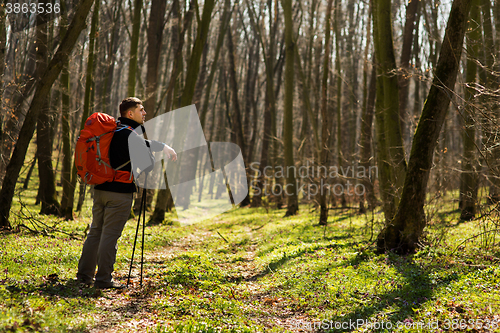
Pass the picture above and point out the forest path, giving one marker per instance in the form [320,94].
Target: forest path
[133,310]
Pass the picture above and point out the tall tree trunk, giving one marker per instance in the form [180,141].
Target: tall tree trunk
[66,209]
[224,23]
[186,99]
[3,42]
[404,231]
[164,200]
[326,126]
[42,89]
[490,50]
[236,118]
[134,45]
[404,78]
[341,160]
[365,138]
[47,185]
[155,37]
[89,82]
[270,103]
[112,50]
[469,178]
[291,182]
[391,153]
[366,142]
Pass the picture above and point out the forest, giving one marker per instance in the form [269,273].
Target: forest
[338,164]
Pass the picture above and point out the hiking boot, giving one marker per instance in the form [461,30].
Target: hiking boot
[84,283]
[113,285]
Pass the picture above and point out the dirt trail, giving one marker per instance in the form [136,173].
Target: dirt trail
[129,310]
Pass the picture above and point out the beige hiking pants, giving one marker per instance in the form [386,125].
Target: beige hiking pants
[110,213]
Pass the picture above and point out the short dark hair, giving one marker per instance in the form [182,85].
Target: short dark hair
[128,103]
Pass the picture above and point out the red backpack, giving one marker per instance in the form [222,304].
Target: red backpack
[92,151]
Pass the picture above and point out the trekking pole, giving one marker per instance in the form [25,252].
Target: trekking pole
[143,227]
[143,203]
[143,222]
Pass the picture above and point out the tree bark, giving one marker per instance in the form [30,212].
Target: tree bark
[89,83]
[366,141]
[403,233]
[391,152]
[3,42]
[134,45]
[469,178]
[291,182]
[186,99]
[270,101]
[492,153]
[47,186]
[404,77]
[66,209]
[42,90]
[326,126]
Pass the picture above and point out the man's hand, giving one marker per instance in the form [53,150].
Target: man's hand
[170,153]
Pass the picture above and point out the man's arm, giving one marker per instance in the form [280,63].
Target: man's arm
[157,146]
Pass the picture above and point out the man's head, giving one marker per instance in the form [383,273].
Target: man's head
[131,107]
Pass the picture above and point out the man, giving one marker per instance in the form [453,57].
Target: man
[113,200]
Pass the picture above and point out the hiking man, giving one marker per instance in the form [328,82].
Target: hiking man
[113,200]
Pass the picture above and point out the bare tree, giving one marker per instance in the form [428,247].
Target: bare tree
[42,89]
[403,233]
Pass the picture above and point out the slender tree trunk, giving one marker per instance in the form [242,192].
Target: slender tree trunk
[66,210]
[404,231]
[112,50]
[134,45]
[490,50]
[365,138]
[469,178]
[89,82]
[66,207]
[326,126]
[42,89]
[291,182]
[186,99]
[366,141]
[341,161]
[270,104]
[47,189]
[155,37]
[389,140]
[404,78]
[226,17]
[3,42]
[236,118]
[164,200]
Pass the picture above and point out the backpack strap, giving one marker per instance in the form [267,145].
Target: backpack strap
[119,128]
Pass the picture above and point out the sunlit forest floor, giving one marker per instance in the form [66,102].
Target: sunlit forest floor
[251,270]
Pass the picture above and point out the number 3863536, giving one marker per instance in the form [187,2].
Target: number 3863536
[32,8]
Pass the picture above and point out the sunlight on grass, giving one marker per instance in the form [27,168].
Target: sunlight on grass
[252,270]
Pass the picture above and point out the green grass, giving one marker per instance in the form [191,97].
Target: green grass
[251,270]
[248,271]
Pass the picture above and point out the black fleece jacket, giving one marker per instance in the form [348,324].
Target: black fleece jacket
[119,154]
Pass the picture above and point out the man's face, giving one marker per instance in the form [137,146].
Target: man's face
[137,114]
